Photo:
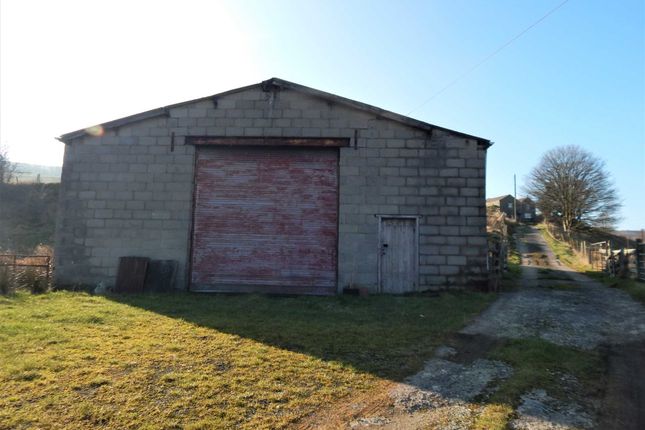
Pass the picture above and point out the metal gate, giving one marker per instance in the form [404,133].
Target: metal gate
[265,220]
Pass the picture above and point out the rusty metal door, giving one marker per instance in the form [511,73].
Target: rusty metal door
[398,260]
[265,220]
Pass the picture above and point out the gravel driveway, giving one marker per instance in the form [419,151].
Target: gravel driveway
[557,305]
[583,317]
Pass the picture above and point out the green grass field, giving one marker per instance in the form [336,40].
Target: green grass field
[71,360]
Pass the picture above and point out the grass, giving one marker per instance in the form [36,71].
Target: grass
[494,416]
[632,287]
[539,364]
[511,278]
[567,256]
[71,360]
[563,251]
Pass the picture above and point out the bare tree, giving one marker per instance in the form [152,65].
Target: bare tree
[573,187]
[7,168]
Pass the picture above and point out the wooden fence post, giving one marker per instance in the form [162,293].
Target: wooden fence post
[584,248]
[47,271]
[640,261]
[623,264]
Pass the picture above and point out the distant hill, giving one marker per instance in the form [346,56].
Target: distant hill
[27,216]
[630,234]
[31,173]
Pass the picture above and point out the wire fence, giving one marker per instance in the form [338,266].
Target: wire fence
[625,262]
[25,272]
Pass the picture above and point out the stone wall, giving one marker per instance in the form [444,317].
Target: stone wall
[128,193]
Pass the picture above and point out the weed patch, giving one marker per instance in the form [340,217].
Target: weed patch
[540,364]
[513,274]
[632,287]
[564,372]
[494,417]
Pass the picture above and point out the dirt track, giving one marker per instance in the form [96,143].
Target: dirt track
[558,305]
[584,316]
[587,316]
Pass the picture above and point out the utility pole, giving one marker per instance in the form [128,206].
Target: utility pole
[514,198]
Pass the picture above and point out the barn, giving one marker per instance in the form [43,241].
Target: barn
[275,188]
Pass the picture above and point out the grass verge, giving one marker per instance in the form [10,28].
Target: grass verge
[540,364]
[511,278]
[71,360]
[567,256]
[563,251]
[630,286]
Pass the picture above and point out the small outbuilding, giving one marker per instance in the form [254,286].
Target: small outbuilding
[278,188]
[505,204]
[526,211]
[524,208]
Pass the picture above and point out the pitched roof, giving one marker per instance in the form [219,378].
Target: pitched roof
[275,83]
[496,199]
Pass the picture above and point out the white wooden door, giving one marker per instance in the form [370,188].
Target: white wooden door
[398,261]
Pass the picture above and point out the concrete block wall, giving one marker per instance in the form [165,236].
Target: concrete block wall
[121,196]
[128,193]
[440,178]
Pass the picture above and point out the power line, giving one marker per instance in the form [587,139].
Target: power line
[488,57]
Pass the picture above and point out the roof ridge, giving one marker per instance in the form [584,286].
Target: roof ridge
[280,83]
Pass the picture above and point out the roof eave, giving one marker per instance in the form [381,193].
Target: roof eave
[382,113]
[153,113]
[280,83]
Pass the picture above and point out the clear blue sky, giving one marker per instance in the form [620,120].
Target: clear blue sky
[578,77]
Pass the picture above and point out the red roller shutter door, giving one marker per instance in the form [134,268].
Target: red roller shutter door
[265,220]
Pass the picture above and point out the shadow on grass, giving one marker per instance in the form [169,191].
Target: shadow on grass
[387,336]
